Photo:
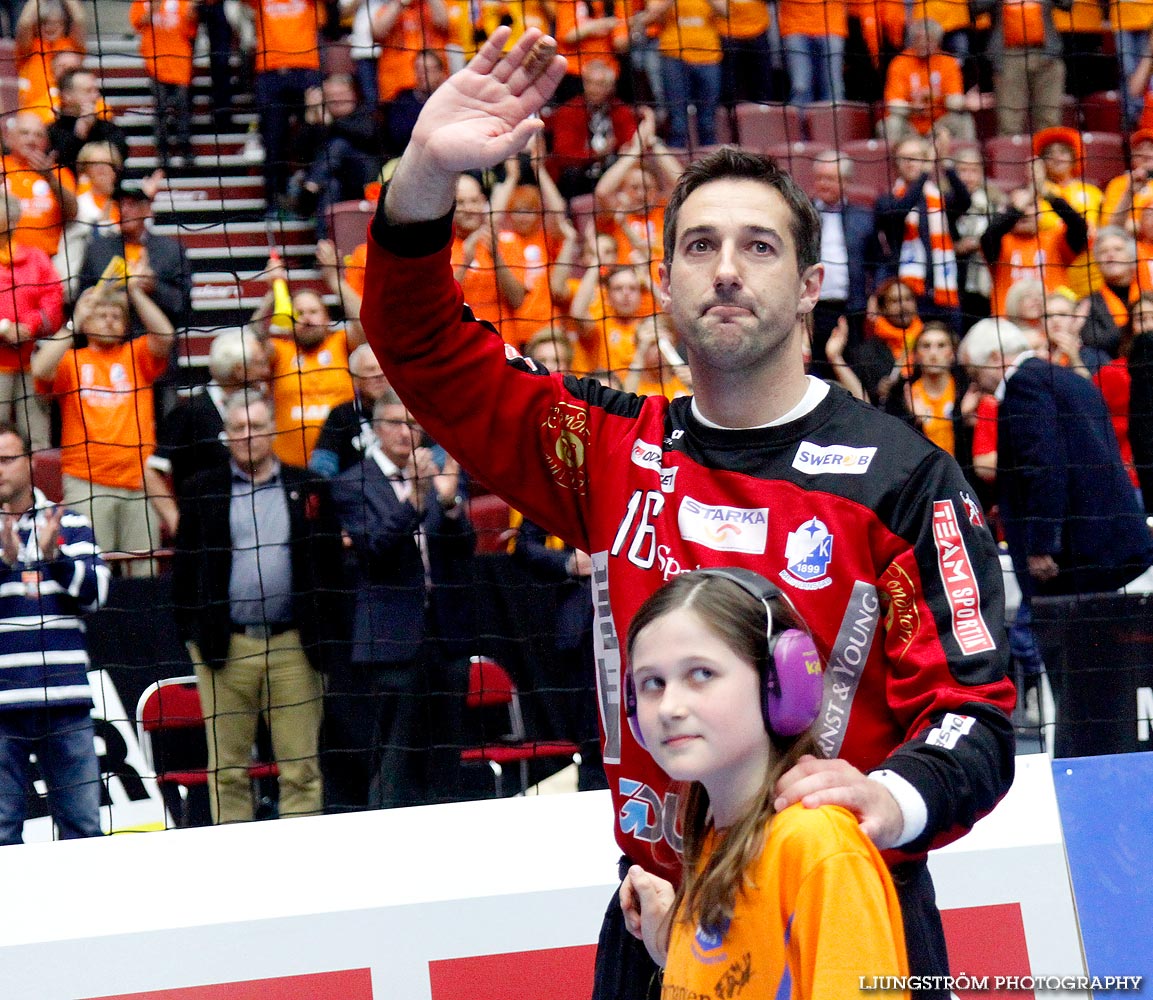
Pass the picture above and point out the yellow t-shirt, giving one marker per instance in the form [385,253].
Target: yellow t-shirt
[819,913]
[306,385]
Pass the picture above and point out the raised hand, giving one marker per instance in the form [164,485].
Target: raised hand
[478,118]
[48,533]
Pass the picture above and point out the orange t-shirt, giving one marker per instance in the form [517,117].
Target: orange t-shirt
[1045,256]
[36,80]
[882,23]
[649,230]
[1127,15]
[1144,266]
[412,31]
[909,75]
[812,17]
[610,346]
[528,259]
[480,288]
[936,414]
[1083,18]
[653,383]
[41,221]
[107,424]
[305,388]
[573,14]
[1023,24]
[949,14]
[287,34]
[690,32]
[167,30]
[747,19]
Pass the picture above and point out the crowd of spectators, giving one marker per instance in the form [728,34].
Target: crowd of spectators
[560,249]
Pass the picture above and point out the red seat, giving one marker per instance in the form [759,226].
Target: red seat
[489,686]
[762,125]
[348,224]
[46,473]
[171,708]
[1101,111]
[1008,159]
[798,158]
[1104,156]
[489,515]
[872,166]
[837,122]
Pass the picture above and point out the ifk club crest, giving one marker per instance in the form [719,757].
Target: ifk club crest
[808,552]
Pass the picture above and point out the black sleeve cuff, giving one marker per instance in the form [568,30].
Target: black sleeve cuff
[412,239]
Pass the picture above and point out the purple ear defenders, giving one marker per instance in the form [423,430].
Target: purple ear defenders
[793,678]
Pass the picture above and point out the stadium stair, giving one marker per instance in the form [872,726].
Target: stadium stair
[214,206]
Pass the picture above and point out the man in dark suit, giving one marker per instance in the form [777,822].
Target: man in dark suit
[412,544]
[172,290]
[256,590]
[1070,513]
[848,252]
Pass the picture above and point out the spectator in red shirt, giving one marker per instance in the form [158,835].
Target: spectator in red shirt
[586,131]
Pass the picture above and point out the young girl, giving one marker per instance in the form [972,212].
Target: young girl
[723,685]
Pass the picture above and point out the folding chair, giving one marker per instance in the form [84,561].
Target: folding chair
[489,685]
[170,726]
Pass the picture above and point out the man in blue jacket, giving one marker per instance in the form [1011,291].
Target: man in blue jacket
[1070,513]
[51,573]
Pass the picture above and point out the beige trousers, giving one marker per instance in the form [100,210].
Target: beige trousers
[270,677]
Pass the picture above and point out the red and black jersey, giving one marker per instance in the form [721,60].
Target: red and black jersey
[871,531]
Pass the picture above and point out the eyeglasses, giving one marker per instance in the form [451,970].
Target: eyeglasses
[412,425]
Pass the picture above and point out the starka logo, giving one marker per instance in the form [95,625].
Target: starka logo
[724,529]
[808,552]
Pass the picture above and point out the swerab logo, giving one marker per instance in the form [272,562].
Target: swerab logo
[816,459]
[723,528]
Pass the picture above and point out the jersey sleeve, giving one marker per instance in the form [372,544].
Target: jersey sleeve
[502,418]
[946,644]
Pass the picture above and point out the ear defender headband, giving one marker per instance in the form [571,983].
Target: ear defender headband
[793,682]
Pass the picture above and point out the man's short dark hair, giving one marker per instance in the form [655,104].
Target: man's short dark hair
[25,442]
[729,162]
[66,78]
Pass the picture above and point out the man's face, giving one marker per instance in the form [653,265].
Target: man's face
[471,205]
[27,134]
[134,216]
[920,41]
[1143,317]
[83,95]
[250,431]
[1058,315]
[15,469]
[633,195]
[911,160]
[397,433]
[339,97]
[732,288]
[826,183]
[1115,259]
[311,325]
[106,324]
[553,355]
[599,82]
[986,377]
[367,379]
[624,294]
[899,305]
[970,172]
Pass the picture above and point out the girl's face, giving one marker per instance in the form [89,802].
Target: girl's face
[935,351]
[899,305]
[699,708]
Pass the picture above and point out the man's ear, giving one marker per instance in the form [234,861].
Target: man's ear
[811,281]
[663,296]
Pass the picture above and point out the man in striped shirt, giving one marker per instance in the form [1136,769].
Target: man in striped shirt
[51,572]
